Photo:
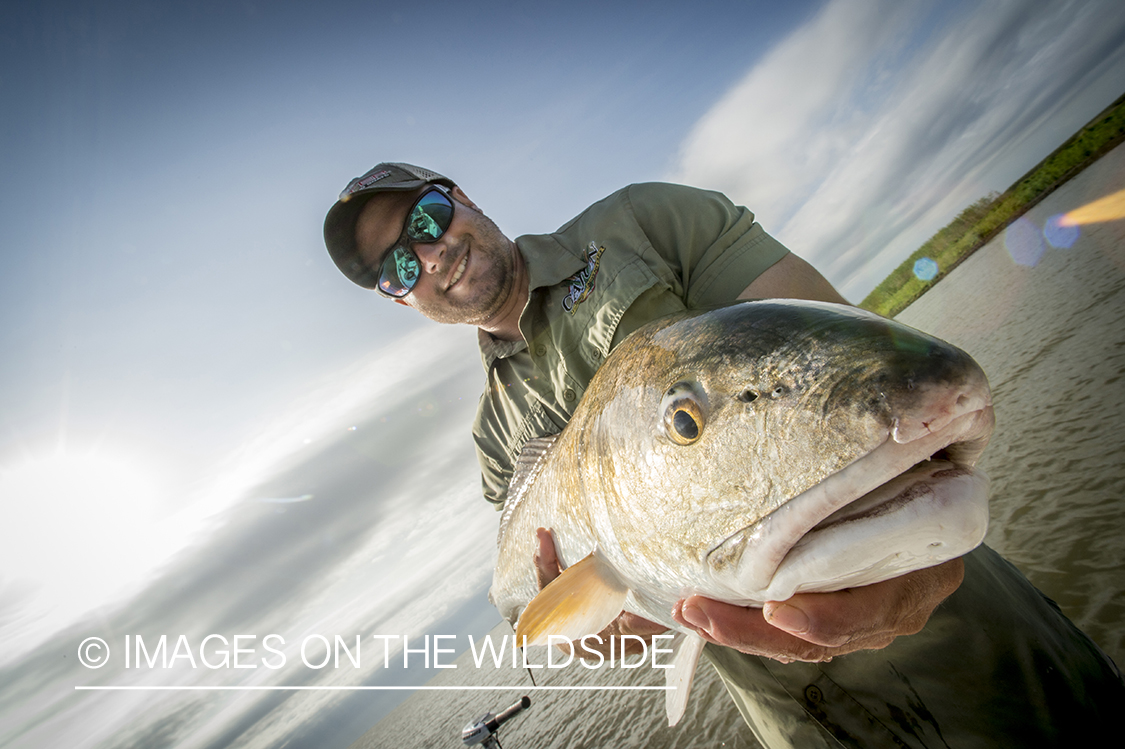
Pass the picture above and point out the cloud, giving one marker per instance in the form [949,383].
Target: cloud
[343,441]
[872,125]
[755,143]
[394,539]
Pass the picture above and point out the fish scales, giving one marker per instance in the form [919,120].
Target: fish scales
[747,453]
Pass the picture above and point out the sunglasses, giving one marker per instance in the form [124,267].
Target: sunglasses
[427,221]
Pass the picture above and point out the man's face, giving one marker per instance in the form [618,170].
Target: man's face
[467,274]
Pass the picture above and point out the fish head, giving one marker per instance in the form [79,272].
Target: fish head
[724,440]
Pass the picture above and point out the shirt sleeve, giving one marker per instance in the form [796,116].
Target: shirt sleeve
[713,248]
[510,412]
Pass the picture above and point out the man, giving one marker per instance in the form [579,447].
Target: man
[550,308]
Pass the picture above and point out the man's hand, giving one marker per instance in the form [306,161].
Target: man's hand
[547,569]
[811,627]
[816,627]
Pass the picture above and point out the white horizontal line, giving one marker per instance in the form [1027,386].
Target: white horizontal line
[361,689]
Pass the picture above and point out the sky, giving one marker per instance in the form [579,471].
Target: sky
[204,428]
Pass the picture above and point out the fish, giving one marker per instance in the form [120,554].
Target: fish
[746,453]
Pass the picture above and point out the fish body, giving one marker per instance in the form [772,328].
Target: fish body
[746,454]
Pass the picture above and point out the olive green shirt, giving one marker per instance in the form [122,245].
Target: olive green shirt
[642,253]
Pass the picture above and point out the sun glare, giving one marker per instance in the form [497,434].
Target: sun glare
[77,526]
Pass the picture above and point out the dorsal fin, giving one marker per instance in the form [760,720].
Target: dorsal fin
[529,464]
[527,468]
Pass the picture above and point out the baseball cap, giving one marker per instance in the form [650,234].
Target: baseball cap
[339,224]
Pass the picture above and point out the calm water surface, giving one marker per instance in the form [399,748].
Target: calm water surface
[1052,339]
[1051,335]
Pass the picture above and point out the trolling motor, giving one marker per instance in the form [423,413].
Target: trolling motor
[484,730]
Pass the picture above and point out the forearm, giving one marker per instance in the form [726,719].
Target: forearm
[792,278]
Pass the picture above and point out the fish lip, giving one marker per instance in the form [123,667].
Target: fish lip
[747,561]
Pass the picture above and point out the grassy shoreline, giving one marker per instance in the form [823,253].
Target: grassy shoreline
[986,218]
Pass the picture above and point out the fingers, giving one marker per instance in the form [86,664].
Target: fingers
[811,627]
[876,613]
[547,560]
[744,629]
[629,623]
[817,626]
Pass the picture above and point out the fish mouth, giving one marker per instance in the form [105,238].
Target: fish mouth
[913,502]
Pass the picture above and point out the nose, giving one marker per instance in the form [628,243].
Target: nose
[430,254]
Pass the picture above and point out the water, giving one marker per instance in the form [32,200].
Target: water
[1048,326]
[563,719]
[1051,337]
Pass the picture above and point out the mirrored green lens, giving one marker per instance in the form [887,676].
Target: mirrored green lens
[428,221]
[400,272]
[430,218]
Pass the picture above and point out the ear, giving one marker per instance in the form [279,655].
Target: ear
[463,199]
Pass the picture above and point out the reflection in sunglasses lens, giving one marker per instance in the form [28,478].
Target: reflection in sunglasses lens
[407,267]
[428,221]
[430,218]
[400,272]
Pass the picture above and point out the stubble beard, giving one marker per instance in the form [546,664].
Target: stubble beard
[489,293]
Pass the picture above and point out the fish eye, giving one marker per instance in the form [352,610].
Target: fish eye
[683,414]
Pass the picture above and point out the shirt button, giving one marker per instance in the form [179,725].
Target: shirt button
[540,350]
[568,394]
[813,694]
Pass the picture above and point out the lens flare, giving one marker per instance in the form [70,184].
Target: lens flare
[1059,235]
[1024,242]
[925,269]
[1109,208]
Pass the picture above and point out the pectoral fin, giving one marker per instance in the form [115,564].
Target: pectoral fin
[686,649]
[581,601]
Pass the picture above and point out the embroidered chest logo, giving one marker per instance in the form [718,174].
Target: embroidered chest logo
[582,282]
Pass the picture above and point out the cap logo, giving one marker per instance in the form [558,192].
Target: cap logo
[362,183]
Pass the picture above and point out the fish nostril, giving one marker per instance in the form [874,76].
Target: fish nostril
[747,396]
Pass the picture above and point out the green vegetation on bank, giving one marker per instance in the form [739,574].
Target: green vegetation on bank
[984,219]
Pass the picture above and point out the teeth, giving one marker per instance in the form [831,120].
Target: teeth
[460,270]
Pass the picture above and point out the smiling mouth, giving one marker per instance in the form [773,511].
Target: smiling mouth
[460,270]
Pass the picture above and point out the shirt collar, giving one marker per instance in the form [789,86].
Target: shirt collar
[492,348]
[549,262]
